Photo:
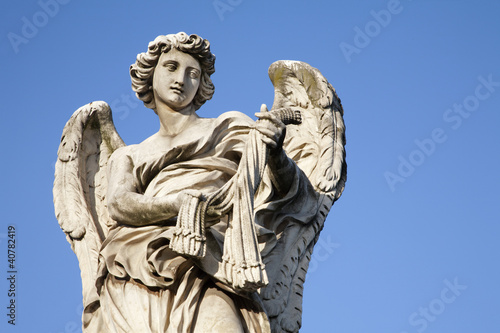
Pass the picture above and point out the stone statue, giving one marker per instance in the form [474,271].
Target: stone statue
[209,224]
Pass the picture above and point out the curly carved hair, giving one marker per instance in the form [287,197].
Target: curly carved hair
[142,71]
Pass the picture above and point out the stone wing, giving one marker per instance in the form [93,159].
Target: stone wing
[317,147]
[88,140]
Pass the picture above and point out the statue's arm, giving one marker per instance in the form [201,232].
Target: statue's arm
[282,170]
[126,205]
[273,132]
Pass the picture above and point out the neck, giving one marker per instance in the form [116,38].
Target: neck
[173,122]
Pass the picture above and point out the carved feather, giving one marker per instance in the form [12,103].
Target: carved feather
[88,140]
[317,147]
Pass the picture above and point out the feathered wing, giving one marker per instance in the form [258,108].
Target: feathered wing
[88,140]
[317,147]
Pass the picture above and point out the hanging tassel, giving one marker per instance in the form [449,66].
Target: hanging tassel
[189,233]
[241,264]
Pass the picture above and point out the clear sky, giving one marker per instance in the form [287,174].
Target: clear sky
[413,243]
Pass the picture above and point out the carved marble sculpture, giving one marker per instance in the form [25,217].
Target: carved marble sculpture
[209,224]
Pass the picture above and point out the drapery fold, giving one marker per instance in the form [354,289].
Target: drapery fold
[242,264]
[226,166]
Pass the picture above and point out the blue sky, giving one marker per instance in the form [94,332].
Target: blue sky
[413,243]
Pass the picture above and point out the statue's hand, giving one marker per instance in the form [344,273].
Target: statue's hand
[173,202]
[273,130]
[186,194]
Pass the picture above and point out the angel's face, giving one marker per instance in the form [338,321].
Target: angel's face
[176,79]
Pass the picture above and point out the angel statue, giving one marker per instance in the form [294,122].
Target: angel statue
[209,224]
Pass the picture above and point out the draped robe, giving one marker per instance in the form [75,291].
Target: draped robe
[143,285]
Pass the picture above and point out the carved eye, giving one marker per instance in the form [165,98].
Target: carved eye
[194,74]
[170,66]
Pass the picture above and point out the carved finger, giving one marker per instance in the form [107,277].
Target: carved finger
[263,115]
[263,108]
[273,118]
[268,132]
[269,142]
[194,193]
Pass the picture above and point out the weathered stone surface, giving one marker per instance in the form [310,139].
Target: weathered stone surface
[209,224]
